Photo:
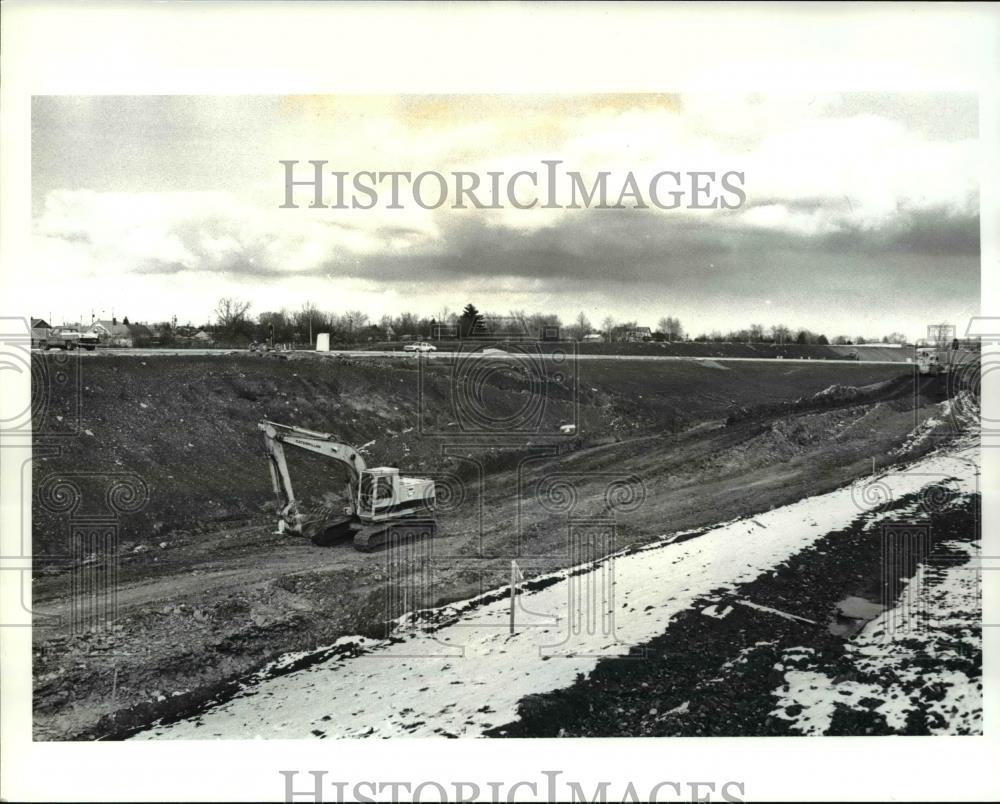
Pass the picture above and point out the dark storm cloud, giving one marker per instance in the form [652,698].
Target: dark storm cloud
[932,232]
[633,246]
[801,204]
[590,247]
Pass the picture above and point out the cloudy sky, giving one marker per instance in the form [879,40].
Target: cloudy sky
[861,214]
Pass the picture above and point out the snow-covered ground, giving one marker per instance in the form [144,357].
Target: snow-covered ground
[467,673]
[891,656]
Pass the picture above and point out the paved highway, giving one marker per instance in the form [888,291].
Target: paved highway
[495,354]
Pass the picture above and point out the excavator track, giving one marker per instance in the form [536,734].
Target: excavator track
[373,537]
[336,531]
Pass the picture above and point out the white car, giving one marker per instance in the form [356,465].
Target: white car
[419,346]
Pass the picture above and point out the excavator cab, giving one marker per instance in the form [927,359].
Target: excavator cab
[383,494]
[375,492]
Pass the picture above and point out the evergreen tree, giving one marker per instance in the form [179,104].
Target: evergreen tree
[470,323]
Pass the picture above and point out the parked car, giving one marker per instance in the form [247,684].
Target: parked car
[420,346]
[68,338]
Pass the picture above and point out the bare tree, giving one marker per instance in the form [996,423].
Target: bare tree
[671,328]
[276,324]
[231,313]
[518,322]
[780,333]
[355,320]
[309,320]
[406,324]
[580,327]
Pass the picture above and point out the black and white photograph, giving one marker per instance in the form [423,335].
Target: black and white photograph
[496,416]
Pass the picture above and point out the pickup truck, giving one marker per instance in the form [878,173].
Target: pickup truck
[68,338]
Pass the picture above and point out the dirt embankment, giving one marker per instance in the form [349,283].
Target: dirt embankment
[695,349]
[186,426]
[206,592]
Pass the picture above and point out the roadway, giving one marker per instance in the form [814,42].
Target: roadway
[357,353]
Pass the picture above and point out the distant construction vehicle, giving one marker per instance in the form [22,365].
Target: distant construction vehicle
[942,353]
[383,505]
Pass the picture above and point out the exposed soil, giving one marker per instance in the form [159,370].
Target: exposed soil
[206,592]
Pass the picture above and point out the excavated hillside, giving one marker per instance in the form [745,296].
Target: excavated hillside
[206,592]
[187,425]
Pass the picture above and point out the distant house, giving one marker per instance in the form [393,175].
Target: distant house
[141,334]
[39,331]
[201,336]
[638,334]
[112,333]
[593,337]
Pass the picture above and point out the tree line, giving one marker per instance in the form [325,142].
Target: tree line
[233,319]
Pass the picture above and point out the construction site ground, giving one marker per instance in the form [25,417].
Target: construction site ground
[206,592]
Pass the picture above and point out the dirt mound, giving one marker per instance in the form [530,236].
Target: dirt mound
[838,393]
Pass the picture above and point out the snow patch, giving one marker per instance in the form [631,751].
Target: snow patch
[893,662]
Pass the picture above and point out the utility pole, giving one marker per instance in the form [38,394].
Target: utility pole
[513,592]
[515,576]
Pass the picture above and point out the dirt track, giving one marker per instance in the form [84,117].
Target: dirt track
[207,593]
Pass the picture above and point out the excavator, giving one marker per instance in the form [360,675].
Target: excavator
[383,507]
